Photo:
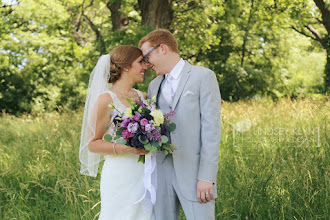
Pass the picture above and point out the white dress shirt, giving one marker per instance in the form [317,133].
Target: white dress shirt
[171,81]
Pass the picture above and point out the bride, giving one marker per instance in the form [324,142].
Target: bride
[122,179]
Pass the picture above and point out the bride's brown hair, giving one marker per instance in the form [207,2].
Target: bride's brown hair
[121,57]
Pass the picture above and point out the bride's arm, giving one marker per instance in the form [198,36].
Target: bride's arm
[97,145]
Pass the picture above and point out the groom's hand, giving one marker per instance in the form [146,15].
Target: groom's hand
[204,191]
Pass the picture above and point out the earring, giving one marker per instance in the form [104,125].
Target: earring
[126,70]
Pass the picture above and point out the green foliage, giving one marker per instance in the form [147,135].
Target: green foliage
[47,51]
[168,148]
[302,70]
[310,19]
[153,149]
[148,147]
[261,31]
[146,141]
[40,179]
[121,141]
[164,139]
[171,127]
[107,137]
[41,69]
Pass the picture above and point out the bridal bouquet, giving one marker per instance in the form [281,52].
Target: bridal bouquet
[142,126]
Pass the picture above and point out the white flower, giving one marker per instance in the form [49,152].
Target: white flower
[158,116]
[128,112]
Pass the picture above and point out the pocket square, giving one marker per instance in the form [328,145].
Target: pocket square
[188,93]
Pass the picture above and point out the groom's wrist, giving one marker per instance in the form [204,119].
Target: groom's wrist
[206,181]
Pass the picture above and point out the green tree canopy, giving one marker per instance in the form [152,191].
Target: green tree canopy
[256,47]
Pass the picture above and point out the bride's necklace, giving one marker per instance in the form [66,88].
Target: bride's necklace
[124,93]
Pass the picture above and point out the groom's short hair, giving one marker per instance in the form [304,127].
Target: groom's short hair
[161,36]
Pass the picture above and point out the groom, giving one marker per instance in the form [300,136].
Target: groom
[188,177]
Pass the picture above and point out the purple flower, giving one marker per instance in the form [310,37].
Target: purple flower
[144,122]
[155,135]
[125,123]
[137,116]
[149,127]
[171,113]
[132,127]
[141,104]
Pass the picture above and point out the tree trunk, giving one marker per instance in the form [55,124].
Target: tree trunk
[325,41]
[118,21]
[325,14]
[156,13]
[327,66]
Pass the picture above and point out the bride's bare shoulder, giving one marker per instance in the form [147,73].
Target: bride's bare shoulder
[104,99]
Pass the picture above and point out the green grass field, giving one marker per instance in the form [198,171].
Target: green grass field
[274,165]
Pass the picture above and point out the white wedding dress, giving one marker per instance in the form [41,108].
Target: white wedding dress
[122,183]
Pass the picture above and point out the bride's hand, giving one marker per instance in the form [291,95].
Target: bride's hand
[133,150]
[127,149]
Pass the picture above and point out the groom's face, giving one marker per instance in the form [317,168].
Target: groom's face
[153,56]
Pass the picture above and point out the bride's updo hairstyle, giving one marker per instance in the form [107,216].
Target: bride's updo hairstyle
[121,57]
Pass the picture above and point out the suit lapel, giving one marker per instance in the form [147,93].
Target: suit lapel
[183,80]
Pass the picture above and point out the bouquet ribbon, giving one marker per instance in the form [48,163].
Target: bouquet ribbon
[150,178]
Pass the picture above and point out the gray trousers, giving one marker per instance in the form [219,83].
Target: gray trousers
[170,198]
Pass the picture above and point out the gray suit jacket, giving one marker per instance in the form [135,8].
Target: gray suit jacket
[197,104]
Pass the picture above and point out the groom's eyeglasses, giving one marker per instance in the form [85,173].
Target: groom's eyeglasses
[145,57]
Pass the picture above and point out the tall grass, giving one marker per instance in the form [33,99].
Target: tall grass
[261,175]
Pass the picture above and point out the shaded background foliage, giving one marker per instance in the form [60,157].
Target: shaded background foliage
[257,48]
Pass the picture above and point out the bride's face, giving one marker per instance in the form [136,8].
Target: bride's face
[137,69]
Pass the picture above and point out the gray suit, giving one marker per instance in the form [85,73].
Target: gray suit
[197,136]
